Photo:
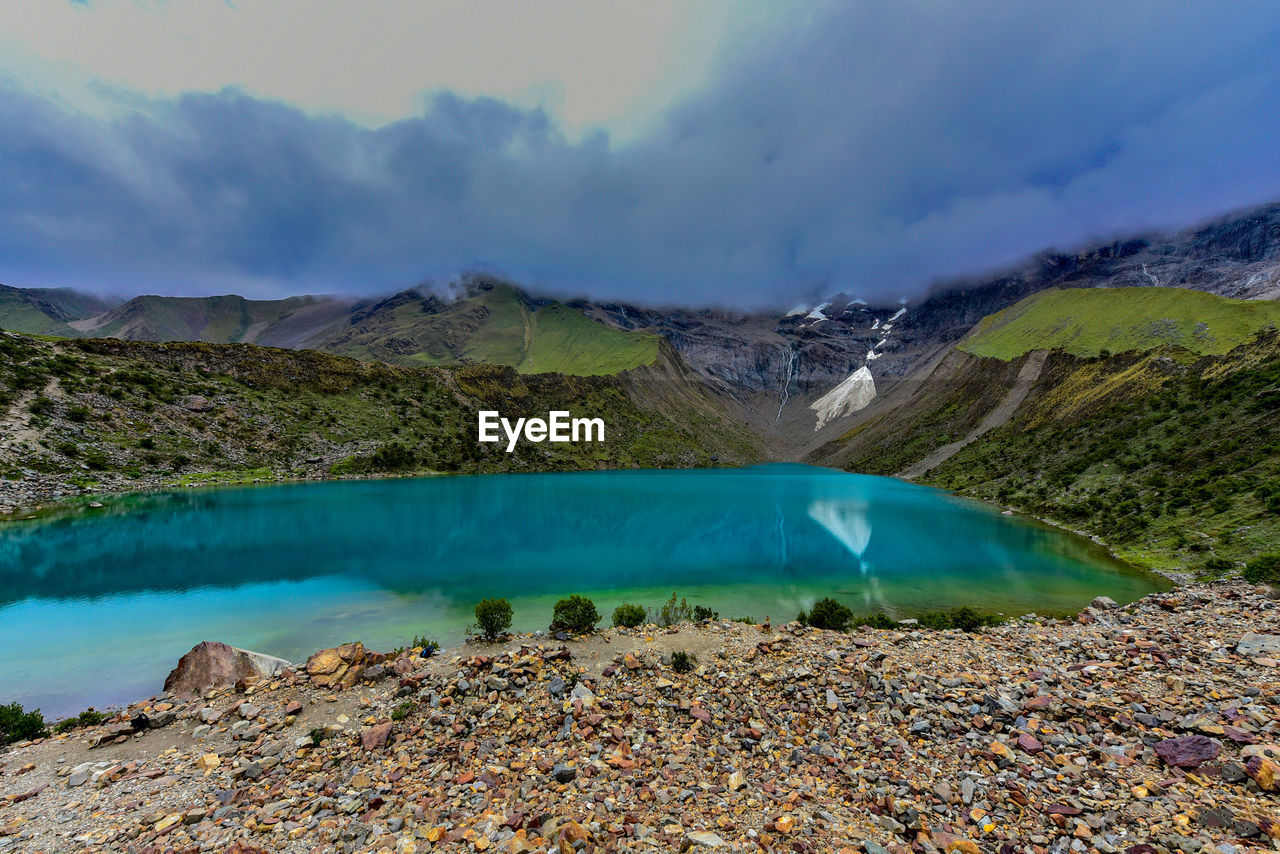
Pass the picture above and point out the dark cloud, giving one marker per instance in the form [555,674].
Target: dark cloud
[881,146]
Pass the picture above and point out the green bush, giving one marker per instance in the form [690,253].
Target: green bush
[673,612]
[17,724]
[829,614]
[493,617]
[701,614]
[89,717]
[628,615]
[401,711]
[392,457]
[876,620]
[683,662]
[41,405]
[575,614]
[966,619]
[1263,569]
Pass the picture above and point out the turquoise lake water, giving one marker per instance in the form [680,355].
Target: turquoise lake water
[95,608]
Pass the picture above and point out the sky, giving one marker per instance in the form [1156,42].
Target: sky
[731,152]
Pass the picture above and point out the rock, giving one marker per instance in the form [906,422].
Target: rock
[1265,772]
[208,762]
[703,839]
[737,780]
[1189,751]
[211,664]
[1029,744]
[564,773]
[340,667]
[785,823]
[1253,643]
[375,737]
[1104,603]
[161,719]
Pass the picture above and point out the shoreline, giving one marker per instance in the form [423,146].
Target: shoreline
[762,715]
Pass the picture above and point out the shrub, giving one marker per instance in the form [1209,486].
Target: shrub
[575,614]
[683,662]
[830,614]
[1263,569]
[966,619]
[493,617]
[628,615]
[89,717]
[392,456]
[16,724]
[701,613]
[41,405]
[674,611]
[876,620]
[401,711]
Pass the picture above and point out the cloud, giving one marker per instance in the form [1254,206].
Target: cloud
[871,148]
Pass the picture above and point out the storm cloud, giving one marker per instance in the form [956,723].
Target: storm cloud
[872,148]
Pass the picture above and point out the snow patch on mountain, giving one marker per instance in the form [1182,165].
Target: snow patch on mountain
[857,390]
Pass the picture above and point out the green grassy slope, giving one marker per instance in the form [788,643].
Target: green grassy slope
[18,314]
[97,409]
[494,324]
[46,311]
[1089,321]
[1173,459]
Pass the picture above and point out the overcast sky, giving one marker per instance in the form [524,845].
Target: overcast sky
[745,153]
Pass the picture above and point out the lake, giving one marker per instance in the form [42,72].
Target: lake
[97,606]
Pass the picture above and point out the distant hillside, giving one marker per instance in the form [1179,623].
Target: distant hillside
[494,323]
[124,413]
[47,311]
[1087,322]
[491,322]
[217,320]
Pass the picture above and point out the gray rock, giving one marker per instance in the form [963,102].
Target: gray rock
[703,839]
[564,773]
[1105,603]
[1256,644]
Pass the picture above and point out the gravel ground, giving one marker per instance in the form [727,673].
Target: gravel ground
[1145,729]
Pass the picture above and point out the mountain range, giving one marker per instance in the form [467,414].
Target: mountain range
[916,388]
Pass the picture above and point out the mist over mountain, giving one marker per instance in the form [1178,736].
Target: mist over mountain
[865,148]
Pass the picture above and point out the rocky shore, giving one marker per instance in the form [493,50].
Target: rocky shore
[1143,729]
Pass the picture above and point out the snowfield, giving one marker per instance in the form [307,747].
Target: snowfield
[857,390]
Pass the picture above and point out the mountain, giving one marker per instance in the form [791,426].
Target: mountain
[47,311]
[1148,418]
[777,365]
[217,320]
[492,323]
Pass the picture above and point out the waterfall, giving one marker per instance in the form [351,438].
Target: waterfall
[786,384]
